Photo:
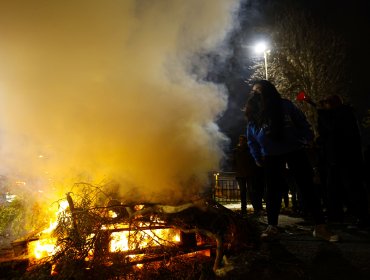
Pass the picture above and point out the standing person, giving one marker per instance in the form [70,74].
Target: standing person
[341,140]
[367,167]
[277,133]
[249,177]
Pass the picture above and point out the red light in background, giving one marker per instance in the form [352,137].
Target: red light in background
[301,96]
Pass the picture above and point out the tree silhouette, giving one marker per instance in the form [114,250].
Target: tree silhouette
[306,55]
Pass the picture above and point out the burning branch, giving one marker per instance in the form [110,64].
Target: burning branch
[72,209]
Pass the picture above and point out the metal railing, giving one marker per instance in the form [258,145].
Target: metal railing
[225,188]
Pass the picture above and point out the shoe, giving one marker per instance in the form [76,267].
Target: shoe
[352,226]
[322,232]
[271,233]
[256,214]
[360,224]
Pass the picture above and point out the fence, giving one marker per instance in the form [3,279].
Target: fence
[225,189]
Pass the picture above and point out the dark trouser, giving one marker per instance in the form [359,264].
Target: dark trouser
[346,187]
[255,187]
[300,167]
[242,182]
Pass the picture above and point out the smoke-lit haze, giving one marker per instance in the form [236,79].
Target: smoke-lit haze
[103,90]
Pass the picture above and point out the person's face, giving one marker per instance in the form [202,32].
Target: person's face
[257,88]
[327,105]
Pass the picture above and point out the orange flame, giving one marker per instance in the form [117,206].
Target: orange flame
[45,245]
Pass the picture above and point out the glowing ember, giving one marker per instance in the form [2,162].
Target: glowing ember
[126,240]
[112,214]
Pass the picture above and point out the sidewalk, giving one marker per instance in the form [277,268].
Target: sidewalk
[298,255]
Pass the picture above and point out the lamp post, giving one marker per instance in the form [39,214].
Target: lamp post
[262,48]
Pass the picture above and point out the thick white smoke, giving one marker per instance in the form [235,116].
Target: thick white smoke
[103,90]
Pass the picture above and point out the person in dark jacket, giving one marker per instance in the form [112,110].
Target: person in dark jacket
[342,148]
[249,177]
[367,167]
[277,133]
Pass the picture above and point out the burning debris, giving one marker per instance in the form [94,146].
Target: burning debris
[96,234]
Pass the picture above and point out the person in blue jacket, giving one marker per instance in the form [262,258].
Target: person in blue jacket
[277,133]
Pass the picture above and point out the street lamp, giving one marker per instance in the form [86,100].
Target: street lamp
[262,48]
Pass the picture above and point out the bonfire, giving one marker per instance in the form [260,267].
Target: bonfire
[97,235]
